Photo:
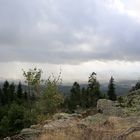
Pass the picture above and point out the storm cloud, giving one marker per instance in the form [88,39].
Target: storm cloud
[69,32]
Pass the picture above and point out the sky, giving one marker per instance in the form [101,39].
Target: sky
[78,37]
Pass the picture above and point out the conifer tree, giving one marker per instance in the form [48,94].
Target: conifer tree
[5,91]
[1,97]
[93,90]
[19,91]
[12,95]
[111,90]
[75,97]
[25,96]
[84,98]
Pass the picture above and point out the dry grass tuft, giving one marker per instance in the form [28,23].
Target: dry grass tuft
[76,133]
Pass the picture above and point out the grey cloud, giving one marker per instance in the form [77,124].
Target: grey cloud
[51,31]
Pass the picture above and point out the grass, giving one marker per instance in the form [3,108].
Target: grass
[76,133]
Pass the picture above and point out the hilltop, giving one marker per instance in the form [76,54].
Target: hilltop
[109,121]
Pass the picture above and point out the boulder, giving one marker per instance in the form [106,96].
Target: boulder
[35,126]
[58,116]
[94,120]
[28,132]
[109,108]
[66,116]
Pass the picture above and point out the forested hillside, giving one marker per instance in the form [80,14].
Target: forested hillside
[37,100]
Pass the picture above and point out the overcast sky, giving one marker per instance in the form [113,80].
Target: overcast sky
[80,36]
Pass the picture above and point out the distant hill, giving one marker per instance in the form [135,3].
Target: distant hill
[122,87]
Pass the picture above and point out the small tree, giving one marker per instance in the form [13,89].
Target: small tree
[33,79]
[19,91]
[93,90]
[51,98]
[136,87]
[6,92]
[111,90]
[12,94]
[75,97]
[84,97]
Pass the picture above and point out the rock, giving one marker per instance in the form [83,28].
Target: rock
[131,104]
[7,138]
[75,115]
[59,124]
[89,112]
[35,126]
[61,116]
[47,121]
[95,119]
[28,132]
[104,104]
[109,108]
[66,116]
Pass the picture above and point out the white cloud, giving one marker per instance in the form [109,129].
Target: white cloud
[74,34]
[71,73]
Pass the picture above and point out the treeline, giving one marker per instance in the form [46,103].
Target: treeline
[19,108]
[14,109]
[136,87]
[10,93]
[87,97]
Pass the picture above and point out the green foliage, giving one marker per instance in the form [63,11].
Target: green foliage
[19,109]
[136,87]
[111,90]
[4,127]
[6,93]
[12,94]
[51,98]
[33,79]
[121,101]
[19,91]
[16,117]
[85,97]
[93,90]
[12,121]
[13,110]
[75,97]
[2,97]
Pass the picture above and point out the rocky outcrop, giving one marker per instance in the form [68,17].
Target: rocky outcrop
[109,121]
[71,126]
[131,103]
[105,128]
[60,121]
[109,108]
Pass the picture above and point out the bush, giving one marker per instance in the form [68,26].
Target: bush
[4,127]
[17,118]
[51,98]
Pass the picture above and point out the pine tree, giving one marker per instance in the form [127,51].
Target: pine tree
[111,90]
[75,97]
[1,97]
[19,91]
[93,90]
[6,93]
[25,96]
[12,94]
[84,98]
